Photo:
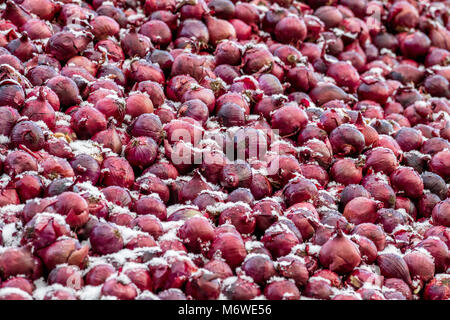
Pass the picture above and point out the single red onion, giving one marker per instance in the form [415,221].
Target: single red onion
[117,171]
[148,125]
[230,247]
[219,29]
[64,251]
[282,290]
[346,171]
[441,214]
[439,164]
[110,139]
[203,286]
[372,232]
[151,184]
[394,266]
[141,152]
[437,288]
[361,210]
[196,233]
[15,261]
[28,134]
[347,140]
[407,180]
[135,44]
[113,287]
[11,94]
[239,216]
[105,239]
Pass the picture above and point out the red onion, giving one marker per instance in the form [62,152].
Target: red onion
[11,94]
[230,247]
[282,290]
[40,109]
[37,29]
[293,268]
[219,29]
[227,52]
[113,51]
[19,283]
[288,120]
[408,181]
[240,217]
[105,239]
[299,190]
[420,265]
[63,45]
[441,214]
[256,59]
[361,210]
[22,48]
[237,174]
[426,204]
[117,171]
[141,70]
[172,294]
[203,286]
[152,184]
[66,89]
[202,94]
[381,160]
[195,11]
[237,288]
[15,261]
[110,139]
[113,287]
[340,254]
[40,74]
[194,109]
[390,219]
[191,28]
[353,191]
[279,239]
[148,125]
[232,97]
[260,187]
[148,223]
[87,121]
[64,251]
[141,152]
[135,44]
[346,171]
[196,233]
[192,188]
[347,140]
[8,118]
[154,91]
[163,170]
[290,29]
[439,164]
[27,133]
[437,288]
[394,266]
[98,274]
[372,232]
[415,45]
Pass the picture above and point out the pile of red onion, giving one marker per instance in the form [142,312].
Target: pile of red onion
[223,149]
